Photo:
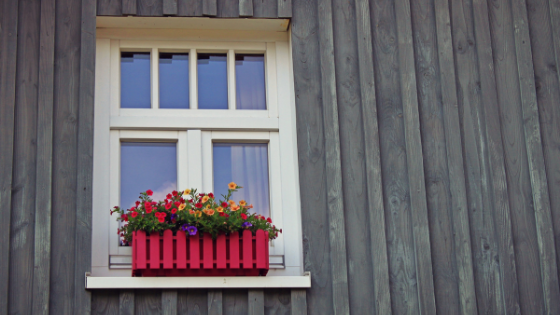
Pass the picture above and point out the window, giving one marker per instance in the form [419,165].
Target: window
[176,114]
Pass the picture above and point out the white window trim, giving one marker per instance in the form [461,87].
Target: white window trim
[193,128]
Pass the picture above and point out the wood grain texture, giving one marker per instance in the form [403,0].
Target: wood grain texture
[209,7]
[277,301]
[169,7]
[284,8]
[147,302]
[129,7]
[299,302]
[169,302]
[215,302]
[311,155]
[415,163]
[374,187]
[537,172]
[192,302]
[24,159]
[265,8]
[255,302]
[65,159]
[105,302]
[150,7]
[126,302]
[8,58]
[189,7]
[82,264]
[333,172]
[228,8]
[245,8]
[554,10]
[109,7]
[43,185]
[235,302]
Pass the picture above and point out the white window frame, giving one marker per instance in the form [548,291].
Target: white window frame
[195,131]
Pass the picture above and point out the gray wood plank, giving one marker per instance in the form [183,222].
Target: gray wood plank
[335,201]
[284,8]
[169,302]
[311,148]
[189,7]
[228,8]
[169,7]
[147,302]
[374,188]
[109,7]
[209,7]
[277,301]
[82,264]
[265,8]
[415,164]
[215,305]
[235,302]
[299,302]
[537,172]
[352,159]
[554,10]
[193,302]
[256,302]
[105,302]
[129,7]
[24,159]
[43,190]
[65,148]
[126,302]
[150,7]
[8,58]
[455,163]
[245,8]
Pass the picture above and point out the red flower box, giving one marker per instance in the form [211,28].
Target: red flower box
[194,256]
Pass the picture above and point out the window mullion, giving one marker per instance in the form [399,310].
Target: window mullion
[155,77]
[193,79]
[207,162]
[231,79]
[182,160]
[194,158]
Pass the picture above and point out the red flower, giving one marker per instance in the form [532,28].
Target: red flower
[182,200]
[173,211]
[211,195]
[269,220]
[244,216]
[147,204]
[154,203]
[124,217]
[137,203]
[222,214]
[280,230]
[149,210]
[161,219]
[177,203]
[169,196]
[201,195]
[190,201]
[149,192]
[168,206]
[174,193]
[133,214]
[198,205]
[224,204]
[227,215]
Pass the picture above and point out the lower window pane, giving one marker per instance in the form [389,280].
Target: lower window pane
[247,166]
[147,166]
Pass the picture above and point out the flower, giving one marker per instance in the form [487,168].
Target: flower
[246,224]
[149,192]
[161,219]
[205,198]
[209,211]
[192,230]
[149,209]
[174,193]
[177,203]
[231,202]
[234,208]
[201,195]
[269,220]
[211,195]
[133,214]
[222,214]
[198,213]
[224,204]
[243,216]
[220,209]
[169,196]
[184,227]
[186,192]
[182,206]
[137,203]
[168,206]
[173,211]
[232,185]
[173,216]
[124,217]
[191,211]
[198,205]
[242,203]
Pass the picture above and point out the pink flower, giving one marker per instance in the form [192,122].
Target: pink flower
[149,192]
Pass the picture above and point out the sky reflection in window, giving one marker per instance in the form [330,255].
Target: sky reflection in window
[212,81]
[249,82]
[135,80]
[173,80]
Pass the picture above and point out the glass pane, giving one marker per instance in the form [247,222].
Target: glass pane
[249,82]
[147,166]
[247,166]
[135,80]
[212,81]
[173,80]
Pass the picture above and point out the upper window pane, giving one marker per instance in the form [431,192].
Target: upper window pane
[212,81]
[173,80]
[135,80]
[249,82]
[147,166]
[246,165]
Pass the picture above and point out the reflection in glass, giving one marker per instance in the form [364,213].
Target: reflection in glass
[212,81]
[147,166]
[249,82]
[246,165]
[135,80]
[173,80]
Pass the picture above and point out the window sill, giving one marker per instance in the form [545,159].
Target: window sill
[197,282]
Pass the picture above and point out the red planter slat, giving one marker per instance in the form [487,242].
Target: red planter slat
[182,255]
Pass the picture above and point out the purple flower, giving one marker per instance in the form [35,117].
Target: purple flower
[192,230]
[184,227]
[173,216]
[246,224]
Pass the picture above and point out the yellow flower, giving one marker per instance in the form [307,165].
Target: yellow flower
[242,202]
[186,192]
[208,206]
[182,206]
[209,211]
[198,213]
[220,209]
[234,208]
[231,202]
[205,198]
[232,185]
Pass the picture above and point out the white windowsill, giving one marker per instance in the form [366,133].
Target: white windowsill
[197,282]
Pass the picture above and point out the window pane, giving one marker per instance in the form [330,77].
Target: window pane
[135,80]
[212,81]
[249,82]
[173,80]
[247,166]
[147,166]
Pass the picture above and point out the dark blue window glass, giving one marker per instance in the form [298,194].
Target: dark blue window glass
[173,80]
[212,81]
[135,80]
[249,82]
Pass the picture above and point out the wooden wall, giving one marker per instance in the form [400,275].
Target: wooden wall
[429,152]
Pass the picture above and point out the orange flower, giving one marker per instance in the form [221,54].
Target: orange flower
[231,202]
[242,203]
[205,198]
[234,208]
[186,192]
[197,213]
[232,185]
[182,206]
[209,211]
[250,207]
[220,209]
[191,211]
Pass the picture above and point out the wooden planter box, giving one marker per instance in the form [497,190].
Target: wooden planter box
[194,256]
